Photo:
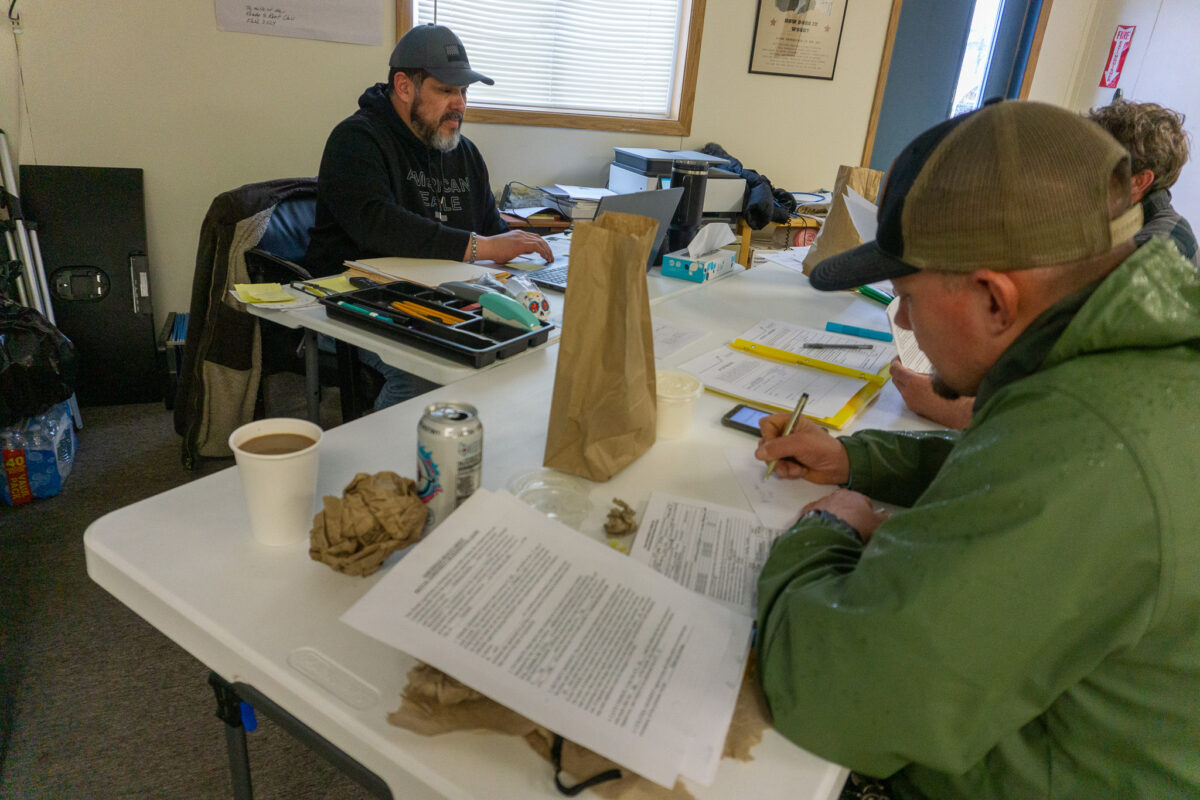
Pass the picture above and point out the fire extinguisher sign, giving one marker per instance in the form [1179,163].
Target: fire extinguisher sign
[1116,56]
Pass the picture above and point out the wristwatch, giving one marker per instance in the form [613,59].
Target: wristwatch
[830,517]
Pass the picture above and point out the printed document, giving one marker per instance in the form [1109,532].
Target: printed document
[772,384]
[785,336]
[712,549]
[587,642]
[779,385]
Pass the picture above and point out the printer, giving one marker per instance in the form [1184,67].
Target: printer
[638,169]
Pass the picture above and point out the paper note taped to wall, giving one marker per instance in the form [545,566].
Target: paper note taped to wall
[352,21]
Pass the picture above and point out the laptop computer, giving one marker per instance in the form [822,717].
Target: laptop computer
[658,204]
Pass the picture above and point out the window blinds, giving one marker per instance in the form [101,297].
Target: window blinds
[599,57]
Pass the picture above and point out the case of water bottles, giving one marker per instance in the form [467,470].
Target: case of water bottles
[37,453]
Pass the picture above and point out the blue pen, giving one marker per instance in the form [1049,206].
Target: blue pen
[837,327]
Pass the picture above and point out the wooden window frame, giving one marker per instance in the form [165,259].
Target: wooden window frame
[678,124]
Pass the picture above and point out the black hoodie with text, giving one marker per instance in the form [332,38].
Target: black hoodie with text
[382,192]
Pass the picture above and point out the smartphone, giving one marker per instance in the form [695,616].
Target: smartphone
[744,418]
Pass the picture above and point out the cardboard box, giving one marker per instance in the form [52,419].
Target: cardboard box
[705,267]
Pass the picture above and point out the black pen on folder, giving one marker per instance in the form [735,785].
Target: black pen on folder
[831,346]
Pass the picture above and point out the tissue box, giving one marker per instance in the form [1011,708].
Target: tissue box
[702,268]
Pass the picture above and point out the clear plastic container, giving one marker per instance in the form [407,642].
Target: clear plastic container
[677,393]
[553,493]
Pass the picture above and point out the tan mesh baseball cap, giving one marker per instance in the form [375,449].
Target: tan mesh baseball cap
[1013,185]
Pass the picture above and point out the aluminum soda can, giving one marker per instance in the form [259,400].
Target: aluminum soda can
[449,458]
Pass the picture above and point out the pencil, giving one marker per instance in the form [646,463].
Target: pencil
[424,312]
[791,425]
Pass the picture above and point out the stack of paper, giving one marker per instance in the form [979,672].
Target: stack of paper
[569,633]
[582,200]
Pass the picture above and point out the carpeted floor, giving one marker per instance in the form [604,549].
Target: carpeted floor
[94,702]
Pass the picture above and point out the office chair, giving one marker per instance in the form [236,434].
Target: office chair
[265,227]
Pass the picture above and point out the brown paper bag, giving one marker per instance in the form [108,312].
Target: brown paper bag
[603,415]
[838,233]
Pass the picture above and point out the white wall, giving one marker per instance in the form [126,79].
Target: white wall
[1162,67]
[153,84]
[1108,15]
[1067,36]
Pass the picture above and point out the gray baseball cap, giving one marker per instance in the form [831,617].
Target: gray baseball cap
[435,49]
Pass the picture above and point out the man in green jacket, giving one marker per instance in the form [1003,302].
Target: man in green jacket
[1028,625]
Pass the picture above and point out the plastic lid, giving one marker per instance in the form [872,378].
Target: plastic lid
[556,495]
[676,385]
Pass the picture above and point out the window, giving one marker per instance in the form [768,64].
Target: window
[620,65]
[942,59]
[977,56]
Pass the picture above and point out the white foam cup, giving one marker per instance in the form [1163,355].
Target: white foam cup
[280,489]
[677,393]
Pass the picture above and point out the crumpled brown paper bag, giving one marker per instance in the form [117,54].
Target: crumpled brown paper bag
[604,412]
[838,233]
[375,516]
[434,703]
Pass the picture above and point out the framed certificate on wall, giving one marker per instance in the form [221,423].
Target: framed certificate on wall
[799,38]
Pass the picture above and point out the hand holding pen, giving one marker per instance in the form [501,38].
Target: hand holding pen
[807,451]
[791,424]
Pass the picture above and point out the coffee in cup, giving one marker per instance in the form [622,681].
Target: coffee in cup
[277,462]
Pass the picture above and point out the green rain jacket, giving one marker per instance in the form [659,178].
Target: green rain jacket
[1029,627]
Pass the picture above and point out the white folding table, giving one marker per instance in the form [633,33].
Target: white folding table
[412,357]
[266,620]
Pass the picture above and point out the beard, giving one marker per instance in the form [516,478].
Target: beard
[431,132]
[942,389]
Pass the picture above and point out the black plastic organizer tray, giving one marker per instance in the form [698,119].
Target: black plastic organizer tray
[475,341]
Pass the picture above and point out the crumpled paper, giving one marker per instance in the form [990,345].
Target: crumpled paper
[622,519]
[434,703]
[375,516]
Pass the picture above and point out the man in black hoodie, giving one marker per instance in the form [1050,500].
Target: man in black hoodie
[398,179]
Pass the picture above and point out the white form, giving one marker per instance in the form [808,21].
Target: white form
[777,501]
[568,632]
[670,339]
[911,354]
[779,385]
[771,383]
[712,549]
[785,336]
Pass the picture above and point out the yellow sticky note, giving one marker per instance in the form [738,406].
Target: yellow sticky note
[338,283]
[262,293]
